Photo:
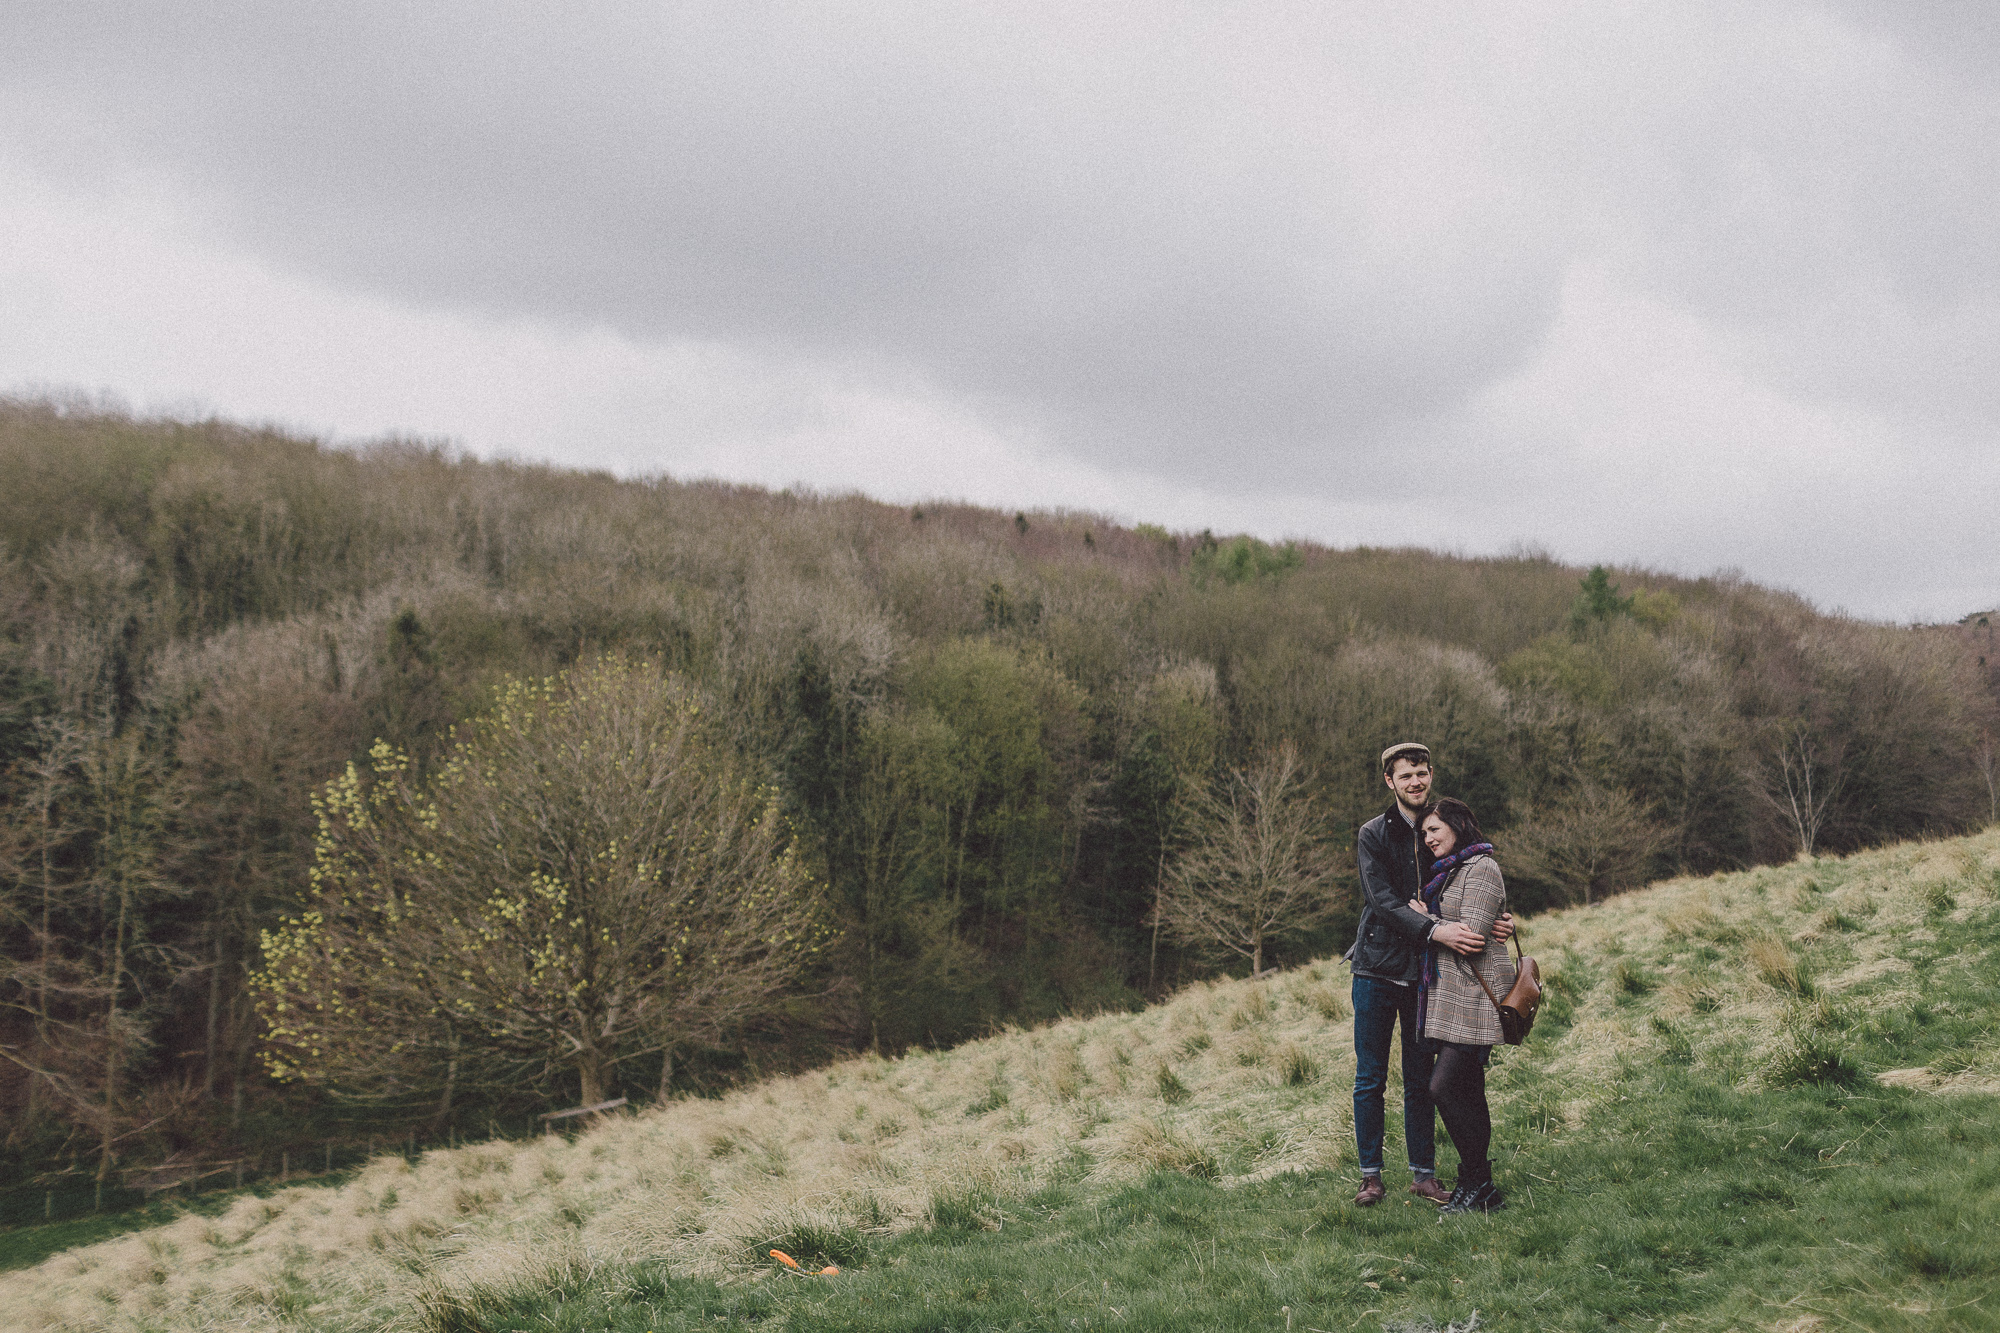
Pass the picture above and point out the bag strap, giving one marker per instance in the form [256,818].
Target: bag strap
[1498,1008]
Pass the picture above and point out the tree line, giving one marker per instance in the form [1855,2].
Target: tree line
[971,757]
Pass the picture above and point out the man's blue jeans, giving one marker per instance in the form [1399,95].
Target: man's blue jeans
[1378,1007]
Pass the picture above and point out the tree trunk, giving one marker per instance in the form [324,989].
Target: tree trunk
[46,797]
[666,1073]
[590,1077]
[214,1017]
[48,907]
[41,1004]
[1159,889]
[111,1039]
[451,1082]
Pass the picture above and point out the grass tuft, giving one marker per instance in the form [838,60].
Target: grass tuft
[1631,980]
[995,1098]
[964,1211]
[1172,1091]
[1675,1038]
[1063,1073]
[1297,1067]
[1817,1013]
[1698,920]
[443,1311]
[1255,1008]
[1161,1148]
[1253,1052]
[815,1244]
[1778,966]
[1815,1058]
[1695,996]
[1327,1002]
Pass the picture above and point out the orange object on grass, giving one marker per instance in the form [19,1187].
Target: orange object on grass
[784,1259]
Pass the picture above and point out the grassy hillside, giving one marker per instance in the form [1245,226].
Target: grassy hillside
[1757,1100]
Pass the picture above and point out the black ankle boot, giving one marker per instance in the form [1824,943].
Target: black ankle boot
[1484,1197]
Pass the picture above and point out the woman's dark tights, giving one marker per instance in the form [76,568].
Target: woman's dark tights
[1458,1086]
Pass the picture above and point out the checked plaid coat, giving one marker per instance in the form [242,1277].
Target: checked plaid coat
[1458,1009]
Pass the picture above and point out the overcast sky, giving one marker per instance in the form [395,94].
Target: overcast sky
[1687,285]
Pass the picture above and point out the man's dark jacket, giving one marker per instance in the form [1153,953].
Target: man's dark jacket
[1395,865]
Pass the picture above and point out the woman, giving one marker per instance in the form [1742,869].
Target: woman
[1461,1020]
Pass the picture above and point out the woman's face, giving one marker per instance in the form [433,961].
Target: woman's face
[1439,837]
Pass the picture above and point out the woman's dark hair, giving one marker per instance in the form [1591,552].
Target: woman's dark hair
[1457,816]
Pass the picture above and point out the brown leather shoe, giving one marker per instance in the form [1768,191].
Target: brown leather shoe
[1372,1192]
[1428,1188]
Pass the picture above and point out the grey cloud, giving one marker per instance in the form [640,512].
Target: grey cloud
[1232,245]
[1160,242]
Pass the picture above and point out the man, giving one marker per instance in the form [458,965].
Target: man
[1387,959]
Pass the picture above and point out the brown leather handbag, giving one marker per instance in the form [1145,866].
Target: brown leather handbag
[1524,997]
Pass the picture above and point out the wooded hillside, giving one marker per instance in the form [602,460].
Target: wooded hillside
[981,727]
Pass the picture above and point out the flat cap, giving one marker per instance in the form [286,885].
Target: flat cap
[1411,750]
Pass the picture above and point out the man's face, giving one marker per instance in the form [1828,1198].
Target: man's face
[1411,782]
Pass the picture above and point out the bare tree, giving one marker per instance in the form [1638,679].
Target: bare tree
[1985,758]
[37,848]
[1802,776]
[1256,863]
[1596,841]
[1178,709]
[84,873]
[130,805]
[266,711]
[587,879]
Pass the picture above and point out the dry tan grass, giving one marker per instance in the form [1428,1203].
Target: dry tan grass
[1976,1070]
[1775,964]
[871,1143]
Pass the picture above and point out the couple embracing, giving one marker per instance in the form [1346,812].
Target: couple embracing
[1433,926]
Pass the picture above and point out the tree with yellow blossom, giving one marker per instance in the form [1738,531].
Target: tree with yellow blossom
[587,879]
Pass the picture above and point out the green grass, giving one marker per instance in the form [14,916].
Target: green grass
[1688,1205]
[23,1247]
[26,1246]
[1719,1184]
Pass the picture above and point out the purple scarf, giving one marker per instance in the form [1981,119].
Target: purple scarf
[1432,892]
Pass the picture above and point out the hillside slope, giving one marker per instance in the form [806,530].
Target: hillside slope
[1767,1016]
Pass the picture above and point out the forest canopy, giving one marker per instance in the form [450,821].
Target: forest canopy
[982,732]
